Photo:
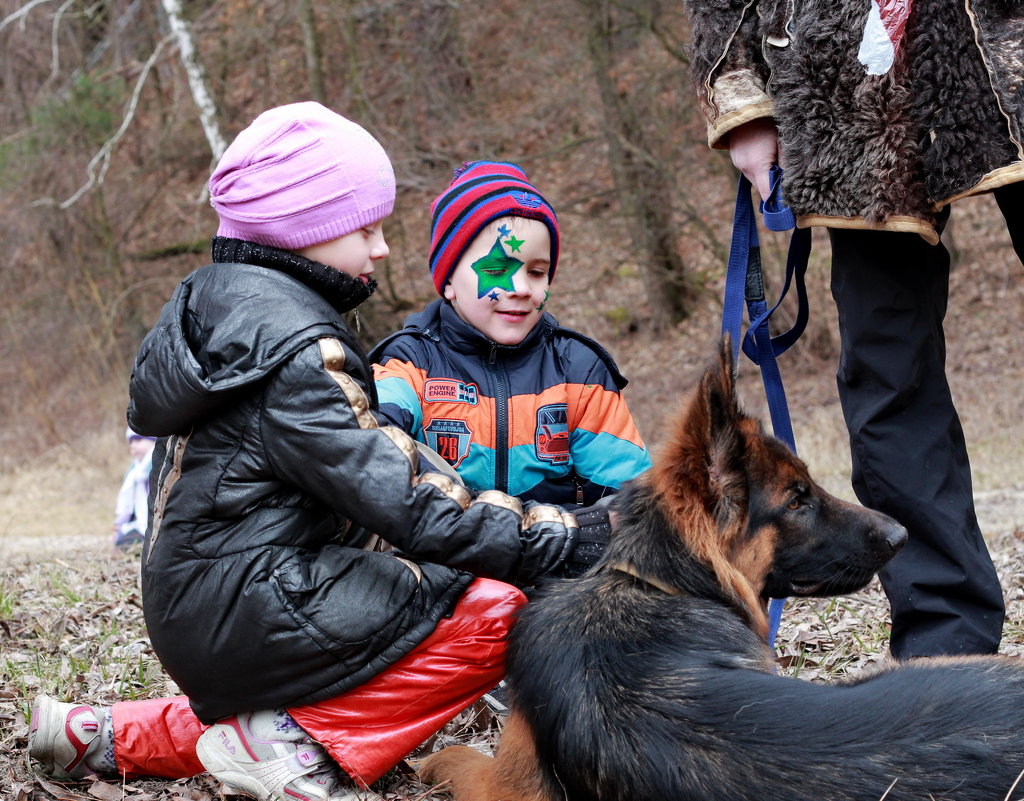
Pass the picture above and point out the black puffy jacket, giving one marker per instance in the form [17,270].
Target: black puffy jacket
[258,588]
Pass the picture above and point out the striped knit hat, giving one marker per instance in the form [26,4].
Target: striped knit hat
[481,192]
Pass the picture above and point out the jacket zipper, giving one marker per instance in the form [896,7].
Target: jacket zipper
[501,433]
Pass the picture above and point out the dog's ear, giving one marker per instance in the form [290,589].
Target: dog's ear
[704,458]
[718,391]
[726,483]
[700,478]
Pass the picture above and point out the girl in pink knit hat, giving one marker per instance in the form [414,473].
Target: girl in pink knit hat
[323,604]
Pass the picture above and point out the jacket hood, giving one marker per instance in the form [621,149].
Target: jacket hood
[226,327]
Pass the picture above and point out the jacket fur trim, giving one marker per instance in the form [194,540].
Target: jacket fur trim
[876,151]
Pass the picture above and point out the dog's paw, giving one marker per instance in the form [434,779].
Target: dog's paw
[446,764]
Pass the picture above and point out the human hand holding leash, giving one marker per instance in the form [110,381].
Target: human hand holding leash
[754,148]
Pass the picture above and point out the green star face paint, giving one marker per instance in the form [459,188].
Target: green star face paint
[514,244]
[495,270]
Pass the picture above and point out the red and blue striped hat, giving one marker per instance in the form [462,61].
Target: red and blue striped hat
[481,192]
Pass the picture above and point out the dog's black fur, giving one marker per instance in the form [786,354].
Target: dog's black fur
[649,678]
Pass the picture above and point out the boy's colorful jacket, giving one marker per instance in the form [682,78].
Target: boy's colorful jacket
[257,590]
[541,420]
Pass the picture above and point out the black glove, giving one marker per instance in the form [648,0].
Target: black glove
[592,540]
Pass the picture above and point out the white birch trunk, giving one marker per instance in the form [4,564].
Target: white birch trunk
[196,77]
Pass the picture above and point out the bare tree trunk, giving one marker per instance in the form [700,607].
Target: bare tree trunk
[443,81]
[311,47]
[645,186]
[208,116]
[359,107]
[431,72]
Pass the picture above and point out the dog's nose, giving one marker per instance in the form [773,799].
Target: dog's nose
[894,536]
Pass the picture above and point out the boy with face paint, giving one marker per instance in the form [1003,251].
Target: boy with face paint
[486,377]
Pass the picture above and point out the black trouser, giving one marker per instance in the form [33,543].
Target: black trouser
[909,456]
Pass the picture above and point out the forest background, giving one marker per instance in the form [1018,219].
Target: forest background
[112,113]
[109,128]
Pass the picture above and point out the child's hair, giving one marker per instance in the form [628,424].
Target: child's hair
[300,175]
[481,192]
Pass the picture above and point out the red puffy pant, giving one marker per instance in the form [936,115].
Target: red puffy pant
[368,729]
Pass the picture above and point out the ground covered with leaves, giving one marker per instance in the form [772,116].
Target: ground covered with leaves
[72,626]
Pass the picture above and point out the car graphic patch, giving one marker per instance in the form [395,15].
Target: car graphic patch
[551,437]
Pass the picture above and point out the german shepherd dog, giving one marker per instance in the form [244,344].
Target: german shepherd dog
[649,678]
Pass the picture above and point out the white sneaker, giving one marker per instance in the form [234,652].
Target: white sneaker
[273,770]
[62,736]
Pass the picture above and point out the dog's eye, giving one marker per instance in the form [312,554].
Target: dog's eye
[798,501]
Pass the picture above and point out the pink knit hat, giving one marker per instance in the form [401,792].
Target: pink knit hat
[300,175]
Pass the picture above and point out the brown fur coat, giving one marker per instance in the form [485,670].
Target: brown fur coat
[869,151]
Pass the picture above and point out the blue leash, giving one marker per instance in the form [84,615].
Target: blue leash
[744,286]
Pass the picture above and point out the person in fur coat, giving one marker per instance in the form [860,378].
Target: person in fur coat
[882,113]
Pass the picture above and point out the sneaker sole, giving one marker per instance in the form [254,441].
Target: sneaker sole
[33,735]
